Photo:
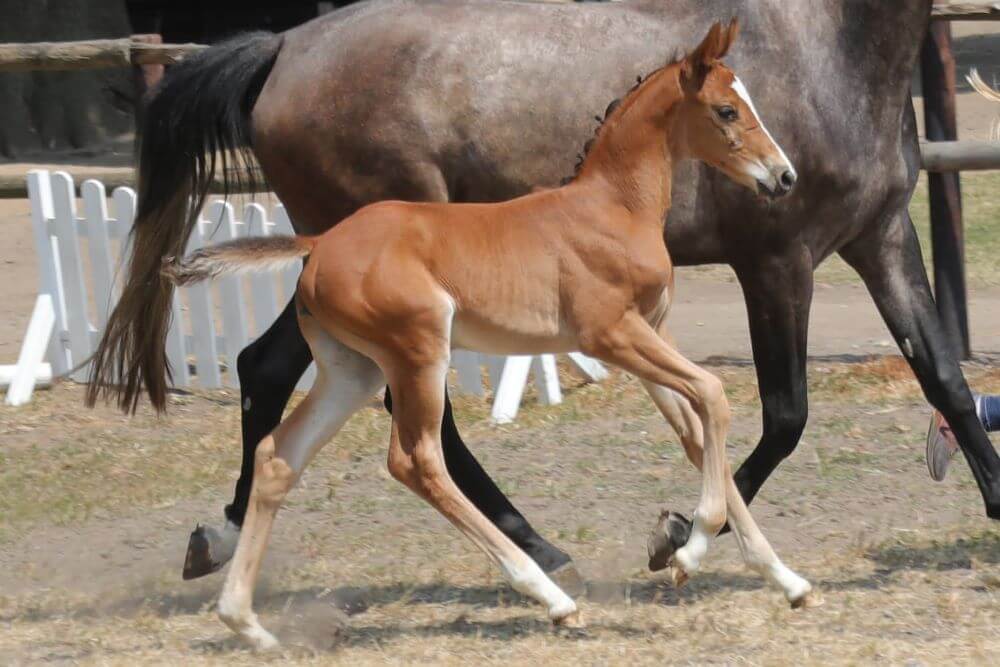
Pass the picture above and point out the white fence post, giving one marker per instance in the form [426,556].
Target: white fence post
[265,305]
[73,287]
[234,318]
[29,361]
[49,281]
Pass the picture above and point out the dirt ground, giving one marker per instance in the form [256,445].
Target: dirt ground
[95,508]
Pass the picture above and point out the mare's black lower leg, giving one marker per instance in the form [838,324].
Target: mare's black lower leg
[889,260]
[778,294]
[484,494]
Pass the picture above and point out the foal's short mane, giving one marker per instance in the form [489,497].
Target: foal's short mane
[608,112]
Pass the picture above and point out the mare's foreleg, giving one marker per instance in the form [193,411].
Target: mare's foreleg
[888,259]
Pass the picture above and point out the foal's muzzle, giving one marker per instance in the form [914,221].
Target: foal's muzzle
[778,184]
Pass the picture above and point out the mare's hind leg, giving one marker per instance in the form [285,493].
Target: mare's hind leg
[416,460]
[345,381]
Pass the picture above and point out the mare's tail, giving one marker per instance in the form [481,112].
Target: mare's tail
[198,115]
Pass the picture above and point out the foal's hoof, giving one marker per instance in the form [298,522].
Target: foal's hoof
[677,574]
[670,534]
[568,578]
[208,550]
[808,601]
[574,620]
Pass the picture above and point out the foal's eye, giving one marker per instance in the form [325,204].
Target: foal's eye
[727,113]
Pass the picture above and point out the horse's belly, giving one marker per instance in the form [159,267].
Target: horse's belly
[541,337]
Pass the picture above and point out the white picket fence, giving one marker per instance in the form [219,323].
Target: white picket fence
[211,322]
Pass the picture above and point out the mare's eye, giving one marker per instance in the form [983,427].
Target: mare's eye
[726,113]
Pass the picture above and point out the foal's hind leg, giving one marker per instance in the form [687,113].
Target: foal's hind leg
[416,460]
[345,381]
[756,550]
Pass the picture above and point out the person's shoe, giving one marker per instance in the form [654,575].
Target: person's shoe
[941,447]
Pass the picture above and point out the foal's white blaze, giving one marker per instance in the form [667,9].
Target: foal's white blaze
[744,94]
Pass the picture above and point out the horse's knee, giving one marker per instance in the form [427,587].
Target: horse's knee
[710,400]
[712,515]
[784,424]
[947,390]
[258,370]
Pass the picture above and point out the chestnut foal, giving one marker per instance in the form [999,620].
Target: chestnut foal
[394,288]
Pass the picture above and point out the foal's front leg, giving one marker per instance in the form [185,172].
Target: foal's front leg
[754,547]
[633,345]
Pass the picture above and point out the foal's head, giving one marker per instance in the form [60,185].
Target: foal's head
[720,124]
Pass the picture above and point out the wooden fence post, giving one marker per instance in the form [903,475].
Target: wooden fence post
[937,75]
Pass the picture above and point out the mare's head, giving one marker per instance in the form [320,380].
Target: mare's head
[719,121]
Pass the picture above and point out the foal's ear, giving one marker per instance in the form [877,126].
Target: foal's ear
[697,64]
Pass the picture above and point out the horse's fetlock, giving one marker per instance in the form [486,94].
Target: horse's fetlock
[712,518]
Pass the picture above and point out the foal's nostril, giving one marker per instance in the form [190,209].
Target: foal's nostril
[787,179]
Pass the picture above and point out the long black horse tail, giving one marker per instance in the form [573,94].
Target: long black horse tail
[197,119]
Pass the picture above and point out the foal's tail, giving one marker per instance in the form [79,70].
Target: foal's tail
[269,253]
[198,116]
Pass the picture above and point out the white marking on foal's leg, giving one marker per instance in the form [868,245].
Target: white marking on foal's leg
[527,578]
[689,556]
[760,557]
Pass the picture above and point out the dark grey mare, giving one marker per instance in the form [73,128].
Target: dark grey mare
[467,100]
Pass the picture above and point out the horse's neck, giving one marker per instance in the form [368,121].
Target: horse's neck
[631,159]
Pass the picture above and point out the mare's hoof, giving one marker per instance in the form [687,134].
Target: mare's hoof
[206,553]
[807,601]
[568,578]
[670,534]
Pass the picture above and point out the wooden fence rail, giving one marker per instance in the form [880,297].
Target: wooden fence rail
[91,54]
[936,156]
[948,156]
[967,11]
